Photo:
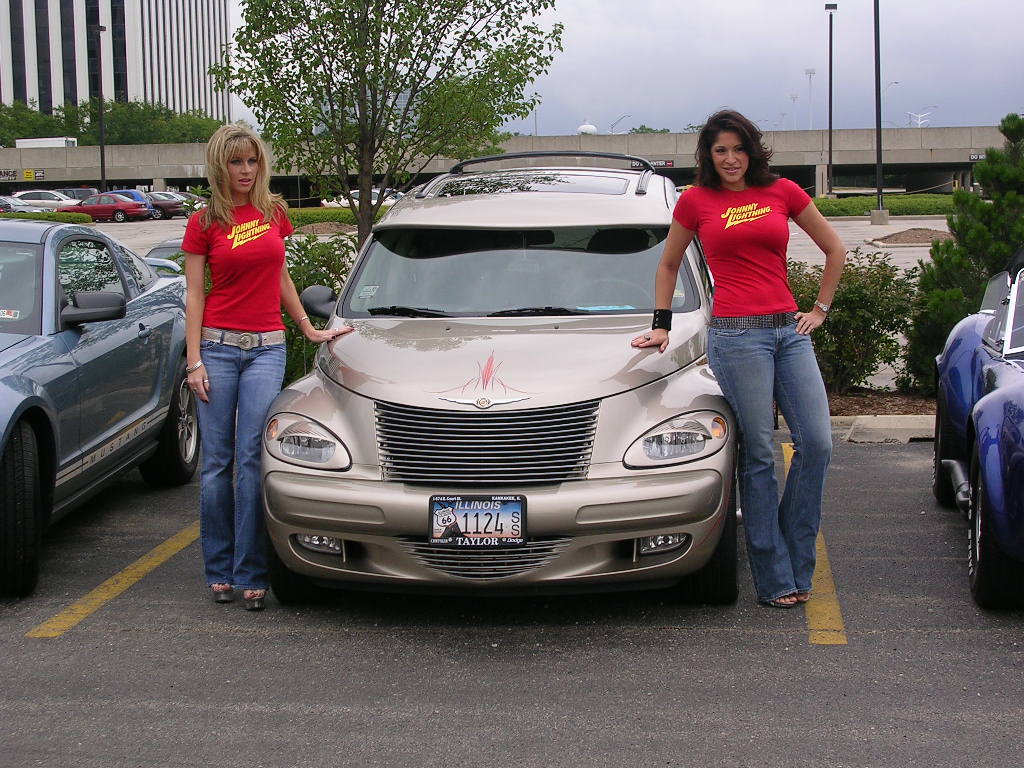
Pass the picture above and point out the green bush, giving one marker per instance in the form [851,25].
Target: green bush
[302,216]
[870,309]
[987,233]
[314,260]
[897,205]
[64,218]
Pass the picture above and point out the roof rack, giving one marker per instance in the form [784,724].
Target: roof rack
[641,187]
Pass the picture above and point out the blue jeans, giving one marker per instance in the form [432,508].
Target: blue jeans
[753,367]
[243,383]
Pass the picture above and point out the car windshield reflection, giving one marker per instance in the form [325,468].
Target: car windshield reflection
[478,273]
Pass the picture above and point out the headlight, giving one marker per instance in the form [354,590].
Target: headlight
[683,438]
[298,440]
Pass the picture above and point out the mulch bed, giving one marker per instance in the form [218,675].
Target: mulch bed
[915,236]
[879,402]
[326,228]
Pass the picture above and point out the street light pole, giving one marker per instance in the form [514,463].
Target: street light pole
[831,8]
[880,215]
[611,130]
[810,101]
[96,29]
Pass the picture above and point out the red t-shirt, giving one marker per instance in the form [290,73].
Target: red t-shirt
[745,236]
[245,269]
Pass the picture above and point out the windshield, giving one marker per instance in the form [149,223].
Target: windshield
[475,272]
[19,288]
[1016,321]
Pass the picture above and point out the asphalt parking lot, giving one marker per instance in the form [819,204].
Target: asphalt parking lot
[894,666]
[121,659]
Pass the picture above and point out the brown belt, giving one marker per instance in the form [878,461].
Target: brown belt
[242,339]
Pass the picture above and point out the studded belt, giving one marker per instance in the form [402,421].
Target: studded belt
[780,320]
[243,339]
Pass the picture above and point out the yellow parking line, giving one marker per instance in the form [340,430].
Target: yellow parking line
[824,617]
[115,585]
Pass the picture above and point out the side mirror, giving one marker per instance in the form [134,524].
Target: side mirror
[167,264]
[93,307]
[318,301]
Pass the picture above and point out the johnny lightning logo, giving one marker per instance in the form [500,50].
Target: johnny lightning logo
[241,234]
[745,213]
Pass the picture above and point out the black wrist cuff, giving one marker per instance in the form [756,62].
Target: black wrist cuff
[662,319]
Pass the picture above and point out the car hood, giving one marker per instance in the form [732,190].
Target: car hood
[8,340]
[441,363]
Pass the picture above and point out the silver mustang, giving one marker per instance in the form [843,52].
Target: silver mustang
[92,357]
[488,427]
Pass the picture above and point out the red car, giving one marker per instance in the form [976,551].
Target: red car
[167,205]
[105,207]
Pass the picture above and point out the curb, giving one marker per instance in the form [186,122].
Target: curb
[901,429]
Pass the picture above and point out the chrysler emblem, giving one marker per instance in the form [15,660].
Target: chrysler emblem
[483,402]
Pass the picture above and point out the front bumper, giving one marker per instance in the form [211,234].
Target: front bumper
[581,535]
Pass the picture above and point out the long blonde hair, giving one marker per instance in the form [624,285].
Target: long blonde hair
[228,142]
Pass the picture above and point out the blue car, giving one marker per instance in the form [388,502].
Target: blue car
[979,437]
[134,194]
[92,380]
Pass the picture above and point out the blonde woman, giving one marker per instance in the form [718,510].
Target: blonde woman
[236,352]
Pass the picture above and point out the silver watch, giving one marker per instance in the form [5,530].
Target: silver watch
[822,306]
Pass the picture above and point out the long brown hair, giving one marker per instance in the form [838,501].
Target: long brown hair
[228,142]
[758,154]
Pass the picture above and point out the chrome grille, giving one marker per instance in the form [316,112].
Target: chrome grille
[541,445]
[489,563]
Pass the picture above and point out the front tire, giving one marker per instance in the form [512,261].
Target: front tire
[942,486]
[20,518]
[176,458]
[716,583]
[995,578]
[289,588]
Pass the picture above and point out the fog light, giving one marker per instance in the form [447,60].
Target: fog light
[328,544]
[662,543]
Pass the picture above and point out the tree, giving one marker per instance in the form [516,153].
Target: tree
[23,121]
[382,87]
[987,233]
[645,129]
[131,122]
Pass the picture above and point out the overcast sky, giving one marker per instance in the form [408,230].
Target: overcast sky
[669,63]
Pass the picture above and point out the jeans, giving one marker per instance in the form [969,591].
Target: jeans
[753,367]
[243,383]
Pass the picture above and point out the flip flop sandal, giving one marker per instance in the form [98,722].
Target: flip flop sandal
[778,603]
[222,593]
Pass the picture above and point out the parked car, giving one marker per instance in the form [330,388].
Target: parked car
[43,198]
[391,196]
[168,249]
[92,380]
[979,437]
[167,205]
[78,193]
[14,205]
[108,207]
[134,194]
[488,427]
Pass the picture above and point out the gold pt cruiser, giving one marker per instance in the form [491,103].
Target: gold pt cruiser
[488,427]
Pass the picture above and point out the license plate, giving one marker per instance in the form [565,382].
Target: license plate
[478,521]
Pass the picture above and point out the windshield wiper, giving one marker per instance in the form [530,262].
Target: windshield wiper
[535,311]
[401,311]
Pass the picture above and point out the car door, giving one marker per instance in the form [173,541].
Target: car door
[118,361]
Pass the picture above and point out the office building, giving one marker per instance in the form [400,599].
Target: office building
[158,51]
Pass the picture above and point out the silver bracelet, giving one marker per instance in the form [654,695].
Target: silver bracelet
[194,367]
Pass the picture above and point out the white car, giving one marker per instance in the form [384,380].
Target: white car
[393,196]
[45,198]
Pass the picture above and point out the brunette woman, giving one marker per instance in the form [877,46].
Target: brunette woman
[235,347]
[759,344]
